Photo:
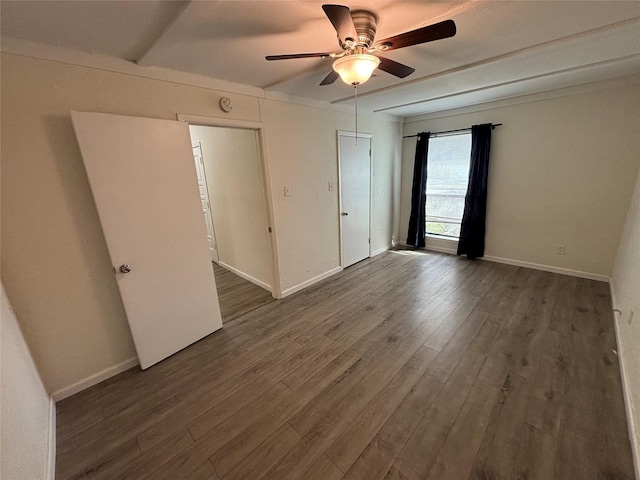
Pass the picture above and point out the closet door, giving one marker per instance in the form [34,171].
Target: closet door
[355,197]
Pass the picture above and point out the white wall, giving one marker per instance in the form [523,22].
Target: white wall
[25,410]
[625,287]
[232,166]
[55,263]
[303,154]
[562,171]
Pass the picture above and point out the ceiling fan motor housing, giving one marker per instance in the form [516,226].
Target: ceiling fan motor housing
[365,23]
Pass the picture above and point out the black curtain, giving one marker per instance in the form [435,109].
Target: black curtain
[415,236]
[472,231]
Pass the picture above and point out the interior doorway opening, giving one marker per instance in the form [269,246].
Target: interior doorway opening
[236,208]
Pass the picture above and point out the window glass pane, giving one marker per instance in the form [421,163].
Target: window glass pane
[447,177]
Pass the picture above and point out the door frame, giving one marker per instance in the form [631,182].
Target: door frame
[265,173]
[206,191]
[344,133]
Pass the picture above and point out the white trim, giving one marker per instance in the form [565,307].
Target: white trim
[245,276]
[50,473]
[381,250]
[311,281]
[218,122]
[522,99]
[634,436]
[42,51]
[265,175]
[548,268]
[519,263]
[312,102]
[94,379]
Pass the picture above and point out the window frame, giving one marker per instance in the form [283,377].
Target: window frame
[443,236]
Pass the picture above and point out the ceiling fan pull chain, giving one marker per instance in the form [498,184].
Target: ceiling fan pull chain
[355,88]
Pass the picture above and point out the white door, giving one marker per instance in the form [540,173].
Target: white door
[355,194]
[143,181]
[204,200]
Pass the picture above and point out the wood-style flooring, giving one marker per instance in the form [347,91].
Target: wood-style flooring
[237,295]
[406,366]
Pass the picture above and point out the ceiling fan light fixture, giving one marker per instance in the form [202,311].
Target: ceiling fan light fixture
[356,68]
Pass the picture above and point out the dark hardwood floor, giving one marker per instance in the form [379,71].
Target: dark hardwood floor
[406,366]
[237,295]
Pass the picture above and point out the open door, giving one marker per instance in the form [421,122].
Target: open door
[143,180]
[204,200]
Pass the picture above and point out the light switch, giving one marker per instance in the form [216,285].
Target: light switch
[287,191]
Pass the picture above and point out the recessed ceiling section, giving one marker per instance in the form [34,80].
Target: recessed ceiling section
[554,61]
[626,72]
[502,48]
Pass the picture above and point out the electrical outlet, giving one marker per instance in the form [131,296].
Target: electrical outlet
[331,186]
[561,250]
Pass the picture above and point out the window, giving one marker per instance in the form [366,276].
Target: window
[447,179]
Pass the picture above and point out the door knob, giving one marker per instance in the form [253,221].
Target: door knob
[344,214]
[125,268]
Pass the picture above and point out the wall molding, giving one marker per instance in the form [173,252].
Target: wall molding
[311,281]
[548,268]
[380,250]
[246,276]
[42,51]
[524,99]
[520,263]
[634,435]
[94,379]
[50,473]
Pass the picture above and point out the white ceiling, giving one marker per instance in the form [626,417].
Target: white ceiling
[502,49]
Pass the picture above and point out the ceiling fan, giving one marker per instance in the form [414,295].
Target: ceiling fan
[360,56]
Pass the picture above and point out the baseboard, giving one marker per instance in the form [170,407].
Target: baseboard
[520,263]
[94,379]
[50,473]
[246,277]
[380,250]
[548,268]
[634,437]
[311,281]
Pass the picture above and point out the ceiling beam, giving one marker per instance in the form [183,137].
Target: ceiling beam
[192,10]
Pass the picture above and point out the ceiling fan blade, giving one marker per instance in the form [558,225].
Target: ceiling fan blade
[340,18]
[429,33]
[299,55]
[329,79]
[400,70]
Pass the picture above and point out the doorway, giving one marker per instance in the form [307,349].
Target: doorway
[354,158]
[235,187]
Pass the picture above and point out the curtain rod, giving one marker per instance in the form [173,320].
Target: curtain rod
[493,125]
